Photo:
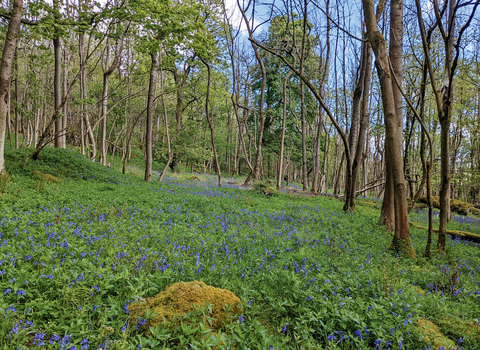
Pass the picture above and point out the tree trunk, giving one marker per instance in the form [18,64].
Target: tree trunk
[282,142]
[83,96]
[210,125]
[401,240]
[148,133]
[165,117]
[445,121]
[57,82]
[304,137]
[364,121]
[13,32]
[256,168]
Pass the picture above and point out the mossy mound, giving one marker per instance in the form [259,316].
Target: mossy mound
[45,177]
[64,163]
[418,290]
[430,335]
[266,188]
[184,297]
[456,328]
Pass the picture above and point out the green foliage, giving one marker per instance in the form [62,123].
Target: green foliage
[60,163]
[265,188]
[187,146]
[75,256]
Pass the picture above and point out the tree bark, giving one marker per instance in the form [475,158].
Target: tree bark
[282,141]
[210,124]
[148,132]
[57,82]
[304,137]
[10,45]
[401,240]
[256,168]
[83,96]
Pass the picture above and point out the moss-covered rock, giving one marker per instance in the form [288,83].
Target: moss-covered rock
[184,297]
[456,328]
[430,335]
[266,188]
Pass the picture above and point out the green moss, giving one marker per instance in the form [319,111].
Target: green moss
[435,201]
[456,328]
[456,206]
[184,297]
[4,180]
[266,188]
[45,177]
[475,211]
[430,335]
[404,246]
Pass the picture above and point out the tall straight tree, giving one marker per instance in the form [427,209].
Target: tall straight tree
[148,132]
[10,45]
[401,240]
[258,158]
[387,215]
[108,69]
[444,98]
[57,78]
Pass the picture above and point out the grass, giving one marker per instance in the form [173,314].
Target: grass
[75,254]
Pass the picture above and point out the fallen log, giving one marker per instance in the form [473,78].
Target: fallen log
[468,236]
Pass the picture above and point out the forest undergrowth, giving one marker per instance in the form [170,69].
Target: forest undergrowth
[74,253]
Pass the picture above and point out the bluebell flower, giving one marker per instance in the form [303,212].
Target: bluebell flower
[358,334]
[240,319]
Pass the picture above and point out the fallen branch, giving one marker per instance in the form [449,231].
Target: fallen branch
[456,234]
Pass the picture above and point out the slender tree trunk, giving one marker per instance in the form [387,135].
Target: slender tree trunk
[257,165]
[323,188]
[282,141]
[66,60]
[304,138]
[148,132]
[83,96]
[210,124]
[321,90]
[57,82]
[13,32]
[16,100]
[445,121]
[364,121]
[165,118]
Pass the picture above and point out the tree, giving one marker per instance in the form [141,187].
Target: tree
[13,32]
[401,240]
[444,98]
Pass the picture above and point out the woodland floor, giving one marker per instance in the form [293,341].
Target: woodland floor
[75,253]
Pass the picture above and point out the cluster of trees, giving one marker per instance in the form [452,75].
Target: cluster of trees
[379,98]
